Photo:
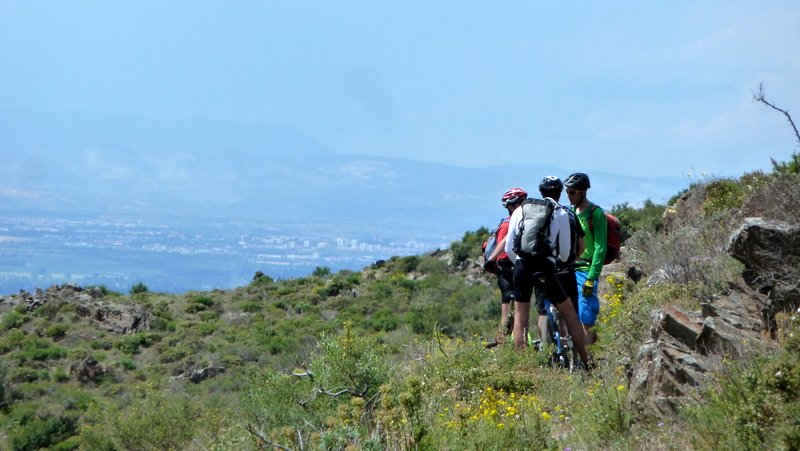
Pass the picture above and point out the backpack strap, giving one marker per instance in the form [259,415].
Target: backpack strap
[591,219]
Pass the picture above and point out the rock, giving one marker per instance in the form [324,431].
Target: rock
[686,346]
[87,371]
[197,376]
[770,251]
[117,318]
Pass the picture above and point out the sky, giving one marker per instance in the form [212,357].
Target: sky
[655,88]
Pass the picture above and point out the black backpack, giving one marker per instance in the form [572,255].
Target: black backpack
[531,240]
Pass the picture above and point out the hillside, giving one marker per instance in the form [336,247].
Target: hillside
[394,356]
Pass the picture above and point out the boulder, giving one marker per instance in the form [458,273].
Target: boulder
[685,347]
[770,251]
[87,371]
[199,375]
[116,318]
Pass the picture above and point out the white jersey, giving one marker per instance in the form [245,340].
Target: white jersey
[559,233]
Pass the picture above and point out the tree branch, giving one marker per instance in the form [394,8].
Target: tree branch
[761,97]
[265,442]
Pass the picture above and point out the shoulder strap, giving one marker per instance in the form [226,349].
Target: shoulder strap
[591,218]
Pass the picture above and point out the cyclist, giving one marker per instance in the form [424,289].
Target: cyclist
[502,264]
[590,263]
[552,187]
[524,280]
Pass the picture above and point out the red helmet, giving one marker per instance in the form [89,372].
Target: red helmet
[514,196]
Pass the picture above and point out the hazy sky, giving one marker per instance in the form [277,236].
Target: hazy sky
[661,88]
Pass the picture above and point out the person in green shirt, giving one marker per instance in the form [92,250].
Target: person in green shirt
[590,263]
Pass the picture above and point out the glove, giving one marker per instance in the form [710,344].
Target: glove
[490,266]
[588,288]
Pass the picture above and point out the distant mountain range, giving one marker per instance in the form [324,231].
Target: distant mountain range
[88,164]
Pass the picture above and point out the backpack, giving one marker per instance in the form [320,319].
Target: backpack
[614,235]
[491,243]
[574,228]
[532,240]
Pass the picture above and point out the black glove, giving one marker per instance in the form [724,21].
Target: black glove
[490,266]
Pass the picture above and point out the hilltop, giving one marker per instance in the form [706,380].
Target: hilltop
[394,356]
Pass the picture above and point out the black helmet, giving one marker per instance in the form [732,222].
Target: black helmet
[551,184]
[579,181]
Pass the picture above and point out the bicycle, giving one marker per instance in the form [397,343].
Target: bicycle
[564,353]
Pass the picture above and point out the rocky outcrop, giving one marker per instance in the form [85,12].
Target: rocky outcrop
[770,251]
[197,376]
[87,371]
[116,318]
[63,293]
[686,347]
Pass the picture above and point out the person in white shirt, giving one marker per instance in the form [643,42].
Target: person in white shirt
[545,272]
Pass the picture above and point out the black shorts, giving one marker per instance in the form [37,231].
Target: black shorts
[569,285]
[505,280]
[524,282]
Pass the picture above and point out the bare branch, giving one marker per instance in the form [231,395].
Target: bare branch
[265,442]
[761,97]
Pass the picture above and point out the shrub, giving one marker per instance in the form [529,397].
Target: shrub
[57,331]
[469,246]
[130,344]
[11,320]
[139,288]
[321,271]
[693,253]
[42,432]
[199,303]
[633,219]
[723,195]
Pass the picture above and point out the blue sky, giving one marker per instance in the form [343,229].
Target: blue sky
[661,88]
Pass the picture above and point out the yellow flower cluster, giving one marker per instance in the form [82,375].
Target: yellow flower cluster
[614,298]
[502,409]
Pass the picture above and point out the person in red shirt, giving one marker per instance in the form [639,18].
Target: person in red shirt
[499,263]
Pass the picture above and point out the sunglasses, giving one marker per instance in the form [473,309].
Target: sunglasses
[572,192]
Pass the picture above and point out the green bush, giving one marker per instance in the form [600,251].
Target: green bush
[648,218]
[131,344]
[57,331]
[321,271]
[469,246]
[36,433]
[11,320]
[139,288]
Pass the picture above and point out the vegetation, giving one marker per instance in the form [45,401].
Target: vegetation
[394,356]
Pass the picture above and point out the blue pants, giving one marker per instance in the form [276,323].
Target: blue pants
[588,307]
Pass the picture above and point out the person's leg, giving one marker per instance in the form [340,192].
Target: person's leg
[567,312]
[521,312]
[505,281]
[588,308]
[565,308]
[541,323]
[523,290]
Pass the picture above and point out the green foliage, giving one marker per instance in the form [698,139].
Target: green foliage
[199,303]
[5,387]
[41,432]
[321,271]
[139,288]
[789,167]
[12,319]
[170,422]
[648,217]
[754,407]
[57,331]
[130,344]
[469,246]
[723,195]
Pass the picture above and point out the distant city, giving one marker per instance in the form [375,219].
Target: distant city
[37,251]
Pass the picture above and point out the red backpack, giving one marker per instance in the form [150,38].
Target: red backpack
[614,234]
